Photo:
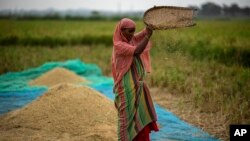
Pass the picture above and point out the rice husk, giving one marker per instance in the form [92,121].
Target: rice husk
[56,76]
[65,112]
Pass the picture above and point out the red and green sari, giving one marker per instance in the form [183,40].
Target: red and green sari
[136,113]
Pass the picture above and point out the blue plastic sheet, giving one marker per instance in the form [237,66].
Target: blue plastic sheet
[15,93]
[17,99]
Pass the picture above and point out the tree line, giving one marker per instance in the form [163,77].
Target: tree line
[212,9]
[208,9]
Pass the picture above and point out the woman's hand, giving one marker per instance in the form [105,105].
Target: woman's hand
[149,30]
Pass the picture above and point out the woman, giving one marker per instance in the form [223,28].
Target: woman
[130,61]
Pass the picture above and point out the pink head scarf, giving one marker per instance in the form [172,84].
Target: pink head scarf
[123,50]
[124,23]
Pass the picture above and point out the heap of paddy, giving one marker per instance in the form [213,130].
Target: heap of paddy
[56,76]
[65,112]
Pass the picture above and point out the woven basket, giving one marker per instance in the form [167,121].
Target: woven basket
[169,17]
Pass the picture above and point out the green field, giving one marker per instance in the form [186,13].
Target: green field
[208,64]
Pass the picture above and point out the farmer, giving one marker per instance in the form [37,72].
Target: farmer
[130,62]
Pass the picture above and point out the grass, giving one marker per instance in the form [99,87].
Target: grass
[222,41]
[19,58]
[207,64]
[55,32]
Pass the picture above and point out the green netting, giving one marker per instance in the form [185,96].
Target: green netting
[18,81]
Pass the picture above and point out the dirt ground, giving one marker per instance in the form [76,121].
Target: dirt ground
[213,123]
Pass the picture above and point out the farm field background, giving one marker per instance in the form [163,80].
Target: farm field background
[207,66]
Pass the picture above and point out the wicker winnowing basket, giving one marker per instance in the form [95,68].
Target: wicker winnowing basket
[169,17]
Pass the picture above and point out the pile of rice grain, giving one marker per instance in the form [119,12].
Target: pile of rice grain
[67,112]
[56,76]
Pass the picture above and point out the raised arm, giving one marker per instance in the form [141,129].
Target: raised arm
[142,45]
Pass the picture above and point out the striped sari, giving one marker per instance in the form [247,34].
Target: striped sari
[133,102]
